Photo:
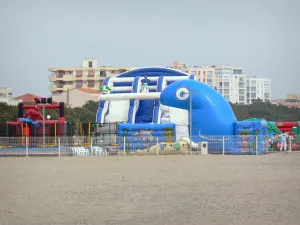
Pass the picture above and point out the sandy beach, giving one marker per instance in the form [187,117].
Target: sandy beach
[210,189]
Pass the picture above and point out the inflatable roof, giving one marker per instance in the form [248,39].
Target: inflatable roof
[153,72]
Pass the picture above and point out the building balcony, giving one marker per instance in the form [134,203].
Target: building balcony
[78,77]
[98,78]
[90,77]
[68,87]
[51,78]
[68,77]
[54,88]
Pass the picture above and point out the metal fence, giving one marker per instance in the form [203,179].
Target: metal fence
[144,145]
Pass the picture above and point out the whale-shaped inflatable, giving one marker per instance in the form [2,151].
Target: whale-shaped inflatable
[211,113]
[144,122]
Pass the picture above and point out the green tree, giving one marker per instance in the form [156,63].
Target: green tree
[8,113]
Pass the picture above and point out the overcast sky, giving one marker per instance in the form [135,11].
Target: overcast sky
[261,36]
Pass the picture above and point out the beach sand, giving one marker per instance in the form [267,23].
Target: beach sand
[199,189]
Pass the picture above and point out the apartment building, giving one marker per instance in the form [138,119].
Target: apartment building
[89,75]
[6,96]
[258,88]
[231,83]
[293,98]
[291,101]
[205,74]
[237,87]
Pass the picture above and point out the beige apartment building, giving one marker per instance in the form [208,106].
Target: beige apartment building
[90,76]
[205,74]
[293,97]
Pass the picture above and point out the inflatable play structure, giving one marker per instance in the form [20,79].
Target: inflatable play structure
[272,129]
[156,107]
[286,126]
[30,120]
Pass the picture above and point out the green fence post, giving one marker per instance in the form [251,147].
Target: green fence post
[70,130]
[6,129]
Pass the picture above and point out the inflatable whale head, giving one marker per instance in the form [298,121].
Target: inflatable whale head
[211,113]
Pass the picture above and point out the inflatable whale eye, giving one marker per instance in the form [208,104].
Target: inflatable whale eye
[182,93]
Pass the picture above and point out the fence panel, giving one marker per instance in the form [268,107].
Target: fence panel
[42,146]
[109,145]
[13,146]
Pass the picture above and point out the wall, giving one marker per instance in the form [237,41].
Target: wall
[77,98]
[204,74]
[85,63]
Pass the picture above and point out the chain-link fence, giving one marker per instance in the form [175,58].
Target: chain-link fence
[107,145]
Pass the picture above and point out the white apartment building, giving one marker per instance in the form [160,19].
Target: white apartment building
[237,87]
[89,75]
[205,74]
[258,88]
[6,96]
[231,83]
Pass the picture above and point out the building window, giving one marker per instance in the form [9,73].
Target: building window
[79,84]
[122,70]
[253,89]
[226,84]
[91,84]
[78,73]
[241,91]
[90,64]
[102,73]
[226,91]
[241,98]
[209,73]
[60,74]
[226,97]
[253,95]
[209,81]
[237,71]
[91,73]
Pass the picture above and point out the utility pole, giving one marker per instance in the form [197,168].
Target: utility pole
[191,114]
